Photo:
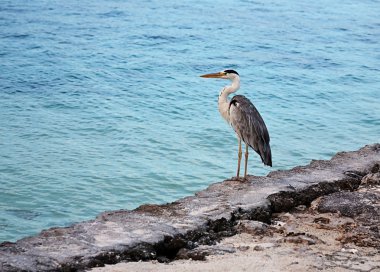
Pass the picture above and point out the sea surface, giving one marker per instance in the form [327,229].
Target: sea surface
[102,106]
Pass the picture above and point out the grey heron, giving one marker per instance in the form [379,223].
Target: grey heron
[244,118]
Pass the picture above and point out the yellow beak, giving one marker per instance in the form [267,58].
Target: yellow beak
[214,75]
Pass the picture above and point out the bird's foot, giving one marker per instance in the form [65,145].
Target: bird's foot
[241,179]
[245,179]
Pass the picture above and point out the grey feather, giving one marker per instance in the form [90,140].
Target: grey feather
[250,127]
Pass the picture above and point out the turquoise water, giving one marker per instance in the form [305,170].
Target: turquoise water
[102,106]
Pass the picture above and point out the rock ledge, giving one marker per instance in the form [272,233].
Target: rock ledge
[166,232]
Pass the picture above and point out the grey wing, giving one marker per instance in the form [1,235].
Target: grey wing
[250,127]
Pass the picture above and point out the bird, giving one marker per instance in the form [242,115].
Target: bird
[245,119]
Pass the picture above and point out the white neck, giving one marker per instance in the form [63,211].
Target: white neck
[223,102]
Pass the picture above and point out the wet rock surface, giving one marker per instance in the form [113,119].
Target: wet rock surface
[352,204]
[195,227]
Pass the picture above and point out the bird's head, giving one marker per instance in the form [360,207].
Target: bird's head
[226,74]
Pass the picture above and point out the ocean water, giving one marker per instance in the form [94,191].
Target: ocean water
[102,106]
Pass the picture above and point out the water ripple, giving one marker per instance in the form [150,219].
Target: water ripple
[102,106]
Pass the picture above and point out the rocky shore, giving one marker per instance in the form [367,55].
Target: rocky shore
[323,216]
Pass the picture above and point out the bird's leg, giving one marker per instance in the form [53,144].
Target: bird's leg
[246,161]
[239,160]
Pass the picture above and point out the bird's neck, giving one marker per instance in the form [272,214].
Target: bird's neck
[223,102]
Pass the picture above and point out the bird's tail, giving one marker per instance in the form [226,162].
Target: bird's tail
[266,155]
